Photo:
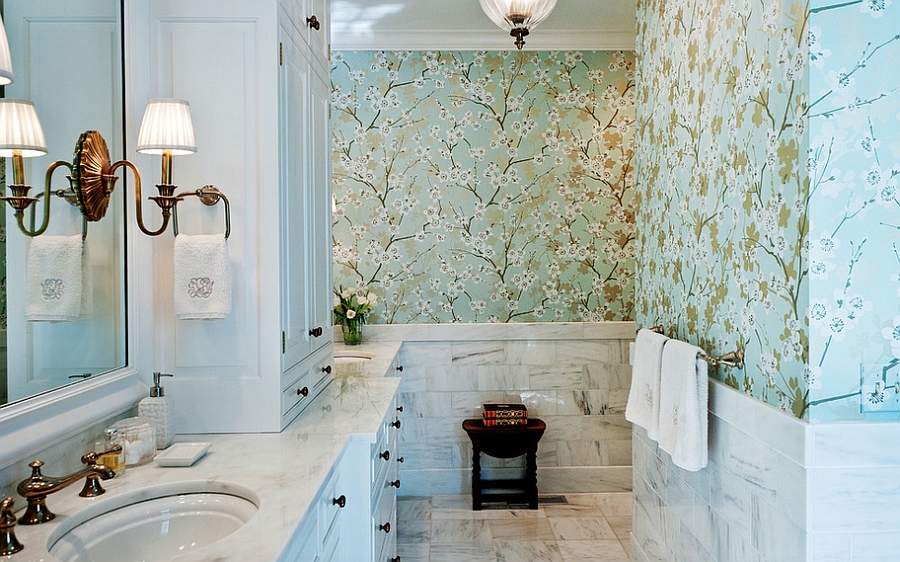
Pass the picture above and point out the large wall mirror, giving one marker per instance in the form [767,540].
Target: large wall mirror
[67,59]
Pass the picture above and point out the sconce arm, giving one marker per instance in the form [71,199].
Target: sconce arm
[137,198]
[20,210]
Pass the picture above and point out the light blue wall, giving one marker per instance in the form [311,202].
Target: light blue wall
[854,236]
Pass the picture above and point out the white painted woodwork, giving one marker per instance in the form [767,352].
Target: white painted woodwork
[244,67]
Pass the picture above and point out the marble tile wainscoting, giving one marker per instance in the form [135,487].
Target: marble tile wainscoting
[777,489]
[574,376]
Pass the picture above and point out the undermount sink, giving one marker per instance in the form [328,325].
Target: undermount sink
[153,523]
[343,358]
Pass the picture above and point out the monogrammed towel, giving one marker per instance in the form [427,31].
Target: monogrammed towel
[202,277]
[55,278]
[643,398]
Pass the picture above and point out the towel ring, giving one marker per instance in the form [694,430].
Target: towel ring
[209,195]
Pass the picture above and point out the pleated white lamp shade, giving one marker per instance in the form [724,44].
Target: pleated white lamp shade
[6,71]
[167,126]
[20,129]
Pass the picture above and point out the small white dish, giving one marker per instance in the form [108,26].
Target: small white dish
[182,454]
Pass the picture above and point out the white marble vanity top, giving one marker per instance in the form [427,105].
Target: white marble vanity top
[285,470]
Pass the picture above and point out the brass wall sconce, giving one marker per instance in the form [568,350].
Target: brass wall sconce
[166,130]
[518,16]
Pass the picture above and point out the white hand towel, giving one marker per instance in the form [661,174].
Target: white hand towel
[683,405]
[202,277]
[643,398]
[55,278]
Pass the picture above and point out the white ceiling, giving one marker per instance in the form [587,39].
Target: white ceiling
[460,24]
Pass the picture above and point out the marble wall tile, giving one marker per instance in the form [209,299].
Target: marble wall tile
[605,428]
[690,548]
[853,499]
[579,353]
[425,404]
[773,535]
[618,452]
[752,461]
[502,377]
[582,453]
[531,353]
[791,497]
[556,377]
[478,353]
[594,402]
[616,402]
[562,428]
[730,497]
[855,445]
[574,403]
[573,479]
[599,376]
[831,547]
[415,354]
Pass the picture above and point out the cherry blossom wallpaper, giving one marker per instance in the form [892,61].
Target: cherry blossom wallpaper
[485,186]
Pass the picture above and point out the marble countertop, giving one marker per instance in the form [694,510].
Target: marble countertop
[283,470]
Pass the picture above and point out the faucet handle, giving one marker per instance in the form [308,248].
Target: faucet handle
[8,542]
[92,487]
[36,468]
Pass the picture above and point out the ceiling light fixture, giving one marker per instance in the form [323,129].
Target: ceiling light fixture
[518,16]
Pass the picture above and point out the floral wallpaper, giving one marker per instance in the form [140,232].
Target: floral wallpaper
[485,186]
[722,192]
[853,162]
[767,166]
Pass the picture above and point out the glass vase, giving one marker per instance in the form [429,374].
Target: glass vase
[352,330]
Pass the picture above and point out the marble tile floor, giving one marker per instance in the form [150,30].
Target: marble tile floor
[588,527]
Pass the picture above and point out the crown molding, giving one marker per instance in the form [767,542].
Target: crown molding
[472,40]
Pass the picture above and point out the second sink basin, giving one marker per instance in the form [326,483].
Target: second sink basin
[154,523]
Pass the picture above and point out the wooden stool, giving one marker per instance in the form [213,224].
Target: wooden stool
[505,442]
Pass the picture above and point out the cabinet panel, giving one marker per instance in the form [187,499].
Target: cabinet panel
[296,198]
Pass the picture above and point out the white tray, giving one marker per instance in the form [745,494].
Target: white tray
[182,454]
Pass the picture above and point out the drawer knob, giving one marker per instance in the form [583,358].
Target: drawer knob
[396,424]
[386,527]
[399,408]
[326,369]
[396,484]
[316,332]
[304,392]
[395,559]
[400,460]
[400,368]
[385,455]
[340,502]
[313,22]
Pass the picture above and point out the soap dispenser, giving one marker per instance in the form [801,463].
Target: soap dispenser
[157,409]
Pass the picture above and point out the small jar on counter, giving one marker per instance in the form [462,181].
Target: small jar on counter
[137,437]
[114,460]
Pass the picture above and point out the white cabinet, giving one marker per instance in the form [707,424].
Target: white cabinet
[371,472]
[318,537]
[252,72]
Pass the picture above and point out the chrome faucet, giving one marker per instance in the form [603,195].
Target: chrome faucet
[36,488]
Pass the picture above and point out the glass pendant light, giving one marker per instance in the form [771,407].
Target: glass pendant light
[518,16]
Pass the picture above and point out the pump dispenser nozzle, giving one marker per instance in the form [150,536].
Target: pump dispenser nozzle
[157,390]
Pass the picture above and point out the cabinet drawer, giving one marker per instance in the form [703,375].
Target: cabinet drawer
[330,508]
[385,524]
[323,372]
[298,391]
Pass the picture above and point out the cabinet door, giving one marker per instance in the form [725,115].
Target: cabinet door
[321,244]
[296,235]
[319,41]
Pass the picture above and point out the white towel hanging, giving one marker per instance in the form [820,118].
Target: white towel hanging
[202,277]
[643,398]
[55,278]
[683,405]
